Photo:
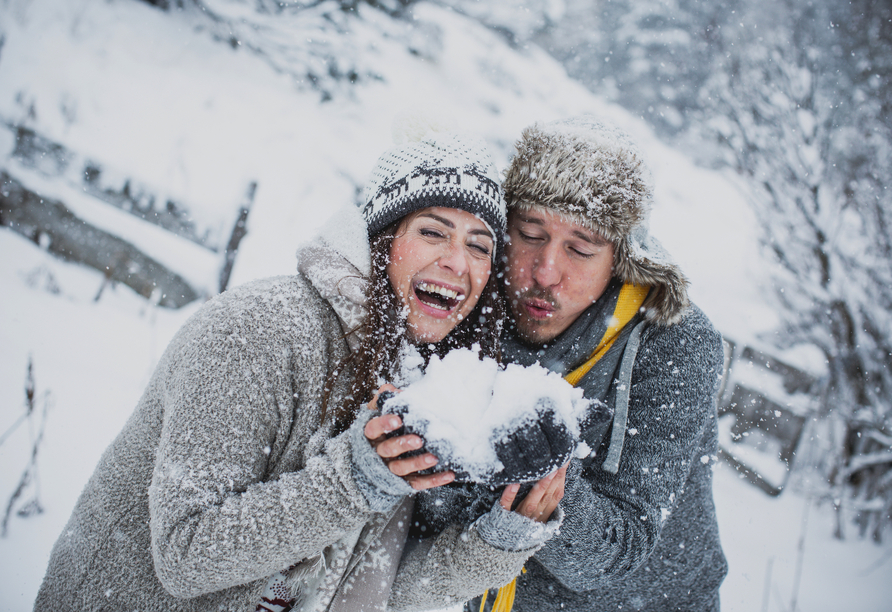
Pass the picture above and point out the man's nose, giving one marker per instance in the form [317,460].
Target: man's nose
[546,269]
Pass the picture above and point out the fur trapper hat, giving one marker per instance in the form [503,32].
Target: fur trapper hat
[591,173]
[433,165]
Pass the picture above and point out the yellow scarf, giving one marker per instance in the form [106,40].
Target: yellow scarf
[629,302]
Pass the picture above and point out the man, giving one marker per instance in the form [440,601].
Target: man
[595,298]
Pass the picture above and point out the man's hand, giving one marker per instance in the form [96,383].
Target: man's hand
[390,449]
[536,449]
[541,502]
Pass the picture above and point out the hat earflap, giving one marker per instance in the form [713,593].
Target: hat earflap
[668,298]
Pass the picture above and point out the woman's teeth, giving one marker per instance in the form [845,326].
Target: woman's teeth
[436,289]
[441,298]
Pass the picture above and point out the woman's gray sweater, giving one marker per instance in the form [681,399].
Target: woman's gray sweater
[226,474]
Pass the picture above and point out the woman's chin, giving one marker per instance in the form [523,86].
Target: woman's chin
[430,330]
[424,335]
[428,325]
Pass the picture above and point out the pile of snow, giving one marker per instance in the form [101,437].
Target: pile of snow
[465,405]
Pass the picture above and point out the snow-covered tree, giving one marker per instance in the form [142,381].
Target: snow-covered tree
[323,45]
[651,56]
[799,105]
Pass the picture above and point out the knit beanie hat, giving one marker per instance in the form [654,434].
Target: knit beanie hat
[591,173]
[433,166]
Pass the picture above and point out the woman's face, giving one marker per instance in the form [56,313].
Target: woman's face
[440,260]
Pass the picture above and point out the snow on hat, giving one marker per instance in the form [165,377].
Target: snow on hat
[591,173]
[434,166]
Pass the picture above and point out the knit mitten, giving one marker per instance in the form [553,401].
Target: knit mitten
[535,448]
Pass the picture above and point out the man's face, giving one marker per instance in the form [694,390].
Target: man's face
[556,269]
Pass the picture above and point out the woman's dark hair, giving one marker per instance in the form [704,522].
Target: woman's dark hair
[377,357]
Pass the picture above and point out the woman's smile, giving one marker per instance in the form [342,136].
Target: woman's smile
[437,299]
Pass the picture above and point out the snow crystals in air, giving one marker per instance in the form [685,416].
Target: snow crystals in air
[411,365]
[470,403]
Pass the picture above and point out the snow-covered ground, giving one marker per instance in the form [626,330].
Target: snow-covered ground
[144,93]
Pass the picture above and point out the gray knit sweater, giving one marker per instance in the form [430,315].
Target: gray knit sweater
[225,474]
[646,537]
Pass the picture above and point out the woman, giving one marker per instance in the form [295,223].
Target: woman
[249,478]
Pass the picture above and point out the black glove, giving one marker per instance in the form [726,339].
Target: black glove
[534,450]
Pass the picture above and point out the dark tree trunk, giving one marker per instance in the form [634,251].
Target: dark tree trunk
[238,232]
[73,239]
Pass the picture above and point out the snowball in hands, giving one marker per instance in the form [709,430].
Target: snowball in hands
[477,417]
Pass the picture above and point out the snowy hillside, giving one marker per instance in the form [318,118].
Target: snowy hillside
[154,97]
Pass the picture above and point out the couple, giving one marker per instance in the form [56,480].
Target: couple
[252,476]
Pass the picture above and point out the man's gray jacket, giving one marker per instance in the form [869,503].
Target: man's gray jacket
[644,537]
[640,530]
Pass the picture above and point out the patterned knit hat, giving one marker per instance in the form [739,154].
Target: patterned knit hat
[435,168]
[592,173]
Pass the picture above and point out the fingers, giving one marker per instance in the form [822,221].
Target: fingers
[556,492]
[392,448]
[551,496]
[392,451]
[543,499]
[429,481]
[537,496]
[407,466]
[508,496]
[373,405]
[377,427]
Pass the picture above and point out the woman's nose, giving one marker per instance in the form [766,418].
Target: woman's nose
[455,260]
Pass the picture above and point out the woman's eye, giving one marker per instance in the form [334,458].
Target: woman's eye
[430,233]
[482,248]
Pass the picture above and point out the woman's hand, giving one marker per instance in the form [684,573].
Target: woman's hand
[541,502]
[390,449]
